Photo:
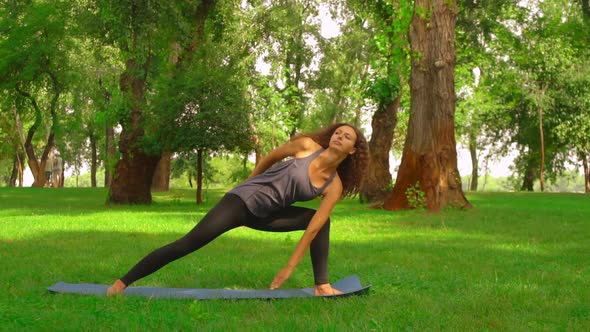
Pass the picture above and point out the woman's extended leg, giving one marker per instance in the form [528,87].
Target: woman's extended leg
[296,218]
[229,213]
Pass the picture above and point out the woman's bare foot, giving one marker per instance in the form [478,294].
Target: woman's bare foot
[326,290]
[116,288]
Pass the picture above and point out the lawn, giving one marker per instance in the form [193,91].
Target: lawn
[515,262]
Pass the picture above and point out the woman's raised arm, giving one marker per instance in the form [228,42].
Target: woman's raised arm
[288,149]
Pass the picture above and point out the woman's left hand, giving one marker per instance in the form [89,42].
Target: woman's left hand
[281,277]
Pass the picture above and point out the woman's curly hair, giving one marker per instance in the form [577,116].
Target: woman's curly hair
[352,169]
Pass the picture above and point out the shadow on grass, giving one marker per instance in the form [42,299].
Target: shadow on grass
[503,265]
[466,276]
[245,258]
[74,201]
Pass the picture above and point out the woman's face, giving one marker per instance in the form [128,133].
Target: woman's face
[344,139]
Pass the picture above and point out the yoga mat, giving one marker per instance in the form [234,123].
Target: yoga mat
[350,286]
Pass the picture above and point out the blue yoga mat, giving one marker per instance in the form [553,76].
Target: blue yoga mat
[349,286]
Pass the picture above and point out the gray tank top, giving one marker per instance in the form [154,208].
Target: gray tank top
[280,186]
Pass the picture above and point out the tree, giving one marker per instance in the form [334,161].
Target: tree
[529,81]
[12,158]
[391,21]
[212,118]
[143,32]
[34,72]
[344,67]
[204,108]
[478,23]
[429,158]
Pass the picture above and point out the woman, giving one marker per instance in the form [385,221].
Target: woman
[329,163]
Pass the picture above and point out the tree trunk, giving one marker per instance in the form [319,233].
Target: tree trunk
[109,156]
[529,176]
[430,157]
[15,172]
[135,170]
[93,160]
[474,162]
[161,180]
[542,140]
[39,179]
[21,169]
[19,154]
[257,148]
[61,177]
[199,176]
[39,167]
[133,179]
[586,166]
[377,176]
[38,170]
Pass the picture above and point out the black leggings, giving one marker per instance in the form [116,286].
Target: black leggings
[229,213]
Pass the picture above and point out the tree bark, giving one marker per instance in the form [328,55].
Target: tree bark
[61,177]
[586,166]
[38,170]
[16,172]
[529,176]
[377,176]
[161,180]
[93,160]
[199,176]
[430,158]
[109,156]
[542,163]
[474,163]
[257,147]
[21,168]
[134,171]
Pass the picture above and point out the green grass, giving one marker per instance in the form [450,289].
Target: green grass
[516,262]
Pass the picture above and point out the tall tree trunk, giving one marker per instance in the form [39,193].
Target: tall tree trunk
[93,160]
[14,173]
[134,171]
[109,155]
[38,168]
[542,140]
[474,162]
[161,180]
[586,166]
[21,168]
[430,156]
[377,176]
[61,177]
[199,176]
[257,147]
[529,176]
